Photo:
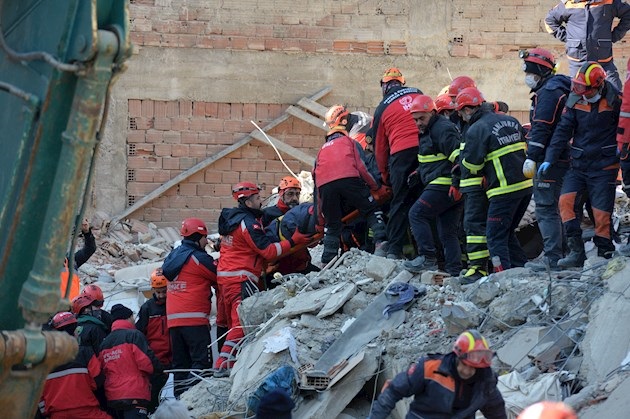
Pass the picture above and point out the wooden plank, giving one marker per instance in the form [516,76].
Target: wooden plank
[313,106]
[156,193]
[285,148]
[305,116]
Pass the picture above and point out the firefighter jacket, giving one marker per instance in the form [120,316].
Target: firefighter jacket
[438,150]
[495,148]
[152,323]
[547,104]
[623,135]
[593,127]
[190,272]
[439,393]
[586,27]
[393,128]
[273,212]
[69,388]
[245,246]
[303,218]
[90,331]
[341,157]
[127,363]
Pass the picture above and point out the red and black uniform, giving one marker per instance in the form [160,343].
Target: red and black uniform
[191,273]
[69,389]
[396,149]
[127,363]
[439,393]
[343,182]
[91,331]
[244,249]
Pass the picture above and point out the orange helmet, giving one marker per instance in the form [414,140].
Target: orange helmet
[62,319]
[538,56]
[590,76]
[336,119]
[392,74]
[158,280]
[289,182]
[473,349]
[244,190]
[193,225]
[444,103]
[95,292]
[548,410]
[80,302]
[469,96]
[460,83]
[422,103]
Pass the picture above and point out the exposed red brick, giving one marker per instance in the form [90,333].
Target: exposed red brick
[212,176]
[172,108]
[185,107]
[212,109]
[223,111]
[187,162]
[159,109]
[136,136]
[154,136]
[180,124]
[170,163]
[180,150]
[162,124]
[191,138]
[238,42]
[197,150]
[187,188]
[230,178]
[135,107]
[162,149]
[147,108]
[199,109]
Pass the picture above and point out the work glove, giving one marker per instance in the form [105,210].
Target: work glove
[529,168]
[382,194]
[454,194]
[299,238]
[543,168]
[413,179]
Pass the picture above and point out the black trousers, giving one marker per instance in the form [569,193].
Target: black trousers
[401,164]
[189,345]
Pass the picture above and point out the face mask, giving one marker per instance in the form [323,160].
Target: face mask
[531,80]
[592,99]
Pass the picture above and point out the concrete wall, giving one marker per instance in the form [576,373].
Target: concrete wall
[203,69]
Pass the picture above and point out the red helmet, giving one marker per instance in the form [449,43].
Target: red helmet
[460,83]
[62,319]
[539,56]
[548,410]
[473,349]
[80,302]
[444,103]
[392,73]
[193,225]
[95,292]
[590,76]
[336,118]
[422,103]
[158,280]
[470,96]
[244,190]
[289,182]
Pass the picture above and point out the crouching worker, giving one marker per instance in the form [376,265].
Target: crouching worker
[455,385]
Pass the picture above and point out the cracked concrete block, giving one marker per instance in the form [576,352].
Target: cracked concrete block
[259,308]
[459,316]
[379,268]
[337,299]
[307,302]
[514,351]
[510,309]
[484,293]
[356,304]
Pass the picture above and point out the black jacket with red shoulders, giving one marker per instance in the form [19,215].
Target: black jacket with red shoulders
[152,323]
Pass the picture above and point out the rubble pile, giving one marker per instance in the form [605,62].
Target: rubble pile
[555,335]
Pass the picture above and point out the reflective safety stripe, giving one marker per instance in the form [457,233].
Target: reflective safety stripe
[244,273]
[192,315]
[227,356]
[431,158]
[474,168]
[441,181]
[454,155]
[476,239]
[534,143]
[624,114]
[506,150]
[473,181]
[278,248]
[482,254]
[528,183]
[69,371]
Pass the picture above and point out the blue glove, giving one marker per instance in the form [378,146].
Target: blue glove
[543,168]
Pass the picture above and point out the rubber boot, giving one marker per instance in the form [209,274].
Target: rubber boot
[221,335]
[331,247]
[577,255]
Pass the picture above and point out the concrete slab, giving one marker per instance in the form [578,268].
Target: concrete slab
[136,274]
[514,352]
[459,316]
[337,299]
[307,302]
[379,268]
[616,406]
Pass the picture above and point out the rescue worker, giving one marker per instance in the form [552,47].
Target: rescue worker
[590,119]
[395,136]
[444,105]
[244,249]
[191,273]
[586,28]
[96,293]
[458,84]
[549,93]
[80,257]
[623,146]
[494,147]
[288,197]
[343,181]
[91,330]
[127,363]
[69,388]
[152,323]
[456,384]
[548,410]
[440,201]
